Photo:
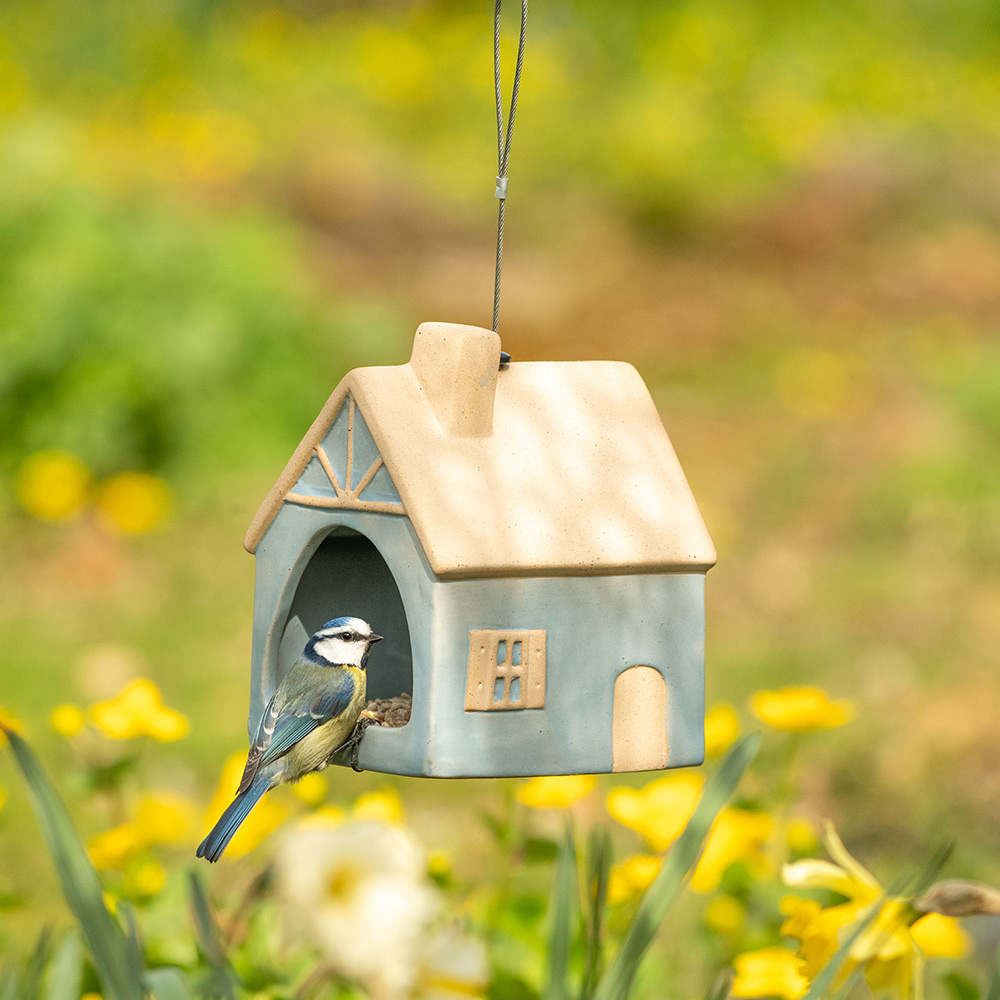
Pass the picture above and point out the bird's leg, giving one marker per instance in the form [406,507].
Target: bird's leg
[359,731]
[354,740]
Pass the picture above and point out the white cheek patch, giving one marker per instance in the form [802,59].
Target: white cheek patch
[337,651]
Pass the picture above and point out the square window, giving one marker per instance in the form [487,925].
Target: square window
[506,670]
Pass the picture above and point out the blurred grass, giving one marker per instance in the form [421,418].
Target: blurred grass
[784,214]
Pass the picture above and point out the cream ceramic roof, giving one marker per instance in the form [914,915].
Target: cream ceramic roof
[543,468]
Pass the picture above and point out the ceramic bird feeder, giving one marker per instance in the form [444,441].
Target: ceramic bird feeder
[527,543]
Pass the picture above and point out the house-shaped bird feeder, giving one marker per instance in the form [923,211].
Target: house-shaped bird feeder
[526,542]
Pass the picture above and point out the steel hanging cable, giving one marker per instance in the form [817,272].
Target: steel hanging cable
[503,140]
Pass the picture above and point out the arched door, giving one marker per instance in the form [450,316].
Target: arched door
[639,726]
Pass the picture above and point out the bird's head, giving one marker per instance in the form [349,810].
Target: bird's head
[343,640]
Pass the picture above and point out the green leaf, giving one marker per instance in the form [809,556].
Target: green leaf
[960,988]
[564,904]
[114,958]
[65,970]
[679,861]
[10,985]
[540,849]
[912,887]
[598,873]
[720,986]
[506,986]
[993,990]
[526,908]
[36,964]
[167,984]
[209,939]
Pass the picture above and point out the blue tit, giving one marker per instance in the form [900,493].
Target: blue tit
[312,714]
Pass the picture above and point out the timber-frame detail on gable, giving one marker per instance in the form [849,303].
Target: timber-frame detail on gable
[348,494]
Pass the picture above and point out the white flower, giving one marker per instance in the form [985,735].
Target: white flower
[360,892]
[453,967]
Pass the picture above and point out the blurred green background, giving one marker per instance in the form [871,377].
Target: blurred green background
[786,215]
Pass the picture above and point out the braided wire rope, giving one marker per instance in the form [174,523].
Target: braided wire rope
[503,139]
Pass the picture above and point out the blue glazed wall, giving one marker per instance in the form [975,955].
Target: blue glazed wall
[596,627]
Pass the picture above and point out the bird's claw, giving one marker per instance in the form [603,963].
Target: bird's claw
[354,740]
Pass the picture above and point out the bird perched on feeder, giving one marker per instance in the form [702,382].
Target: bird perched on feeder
[313,714]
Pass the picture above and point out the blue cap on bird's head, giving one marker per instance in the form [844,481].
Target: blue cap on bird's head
[357,628]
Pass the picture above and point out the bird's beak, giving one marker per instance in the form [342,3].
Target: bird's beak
[375,638]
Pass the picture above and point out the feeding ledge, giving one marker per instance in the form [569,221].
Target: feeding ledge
[524,539]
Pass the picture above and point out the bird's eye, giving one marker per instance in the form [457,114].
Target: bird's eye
[345,636]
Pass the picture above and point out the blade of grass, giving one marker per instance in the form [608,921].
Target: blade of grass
[81,886]
[564,902]
[209,939]
[679,861]
[66,970]
[35,968]
[719,989]
[598,872]
[135,951]
[10,985]
[167,984]
[993,990]
[915,886]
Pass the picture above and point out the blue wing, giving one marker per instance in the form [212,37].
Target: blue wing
[283,725]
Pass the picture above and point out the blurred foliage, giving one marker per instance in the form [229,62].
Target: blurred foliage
[153,293]
[135,336]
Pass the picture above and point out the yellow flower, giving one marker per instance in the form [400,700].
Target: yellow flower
[556,791]
[769,972]
[326,817]
[816,928]
[53,485]
[725,915]
[801,836]
[146,879]
[439,864]
[938,936]
[134,502]
[385,806]
[113,848]
[736,835]
[889,949]
[722,729]
[165,817]
[160,818]
[11,722]
[264,818]
[802,709]
[311,788]
[631,876]
[67,720]
[138,710]
[659,811]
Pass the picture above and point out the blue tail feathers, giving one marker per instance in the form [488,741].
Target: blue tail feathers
[214,844]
